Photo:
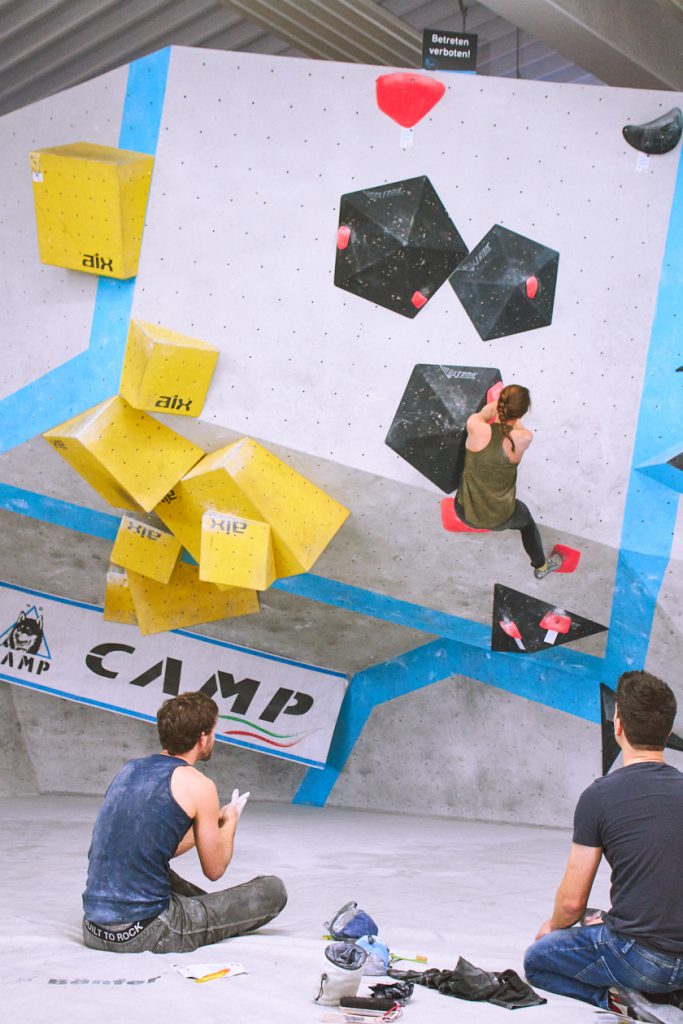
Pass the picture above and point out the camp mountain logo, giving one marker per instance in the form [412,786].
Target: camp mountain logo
[23,645]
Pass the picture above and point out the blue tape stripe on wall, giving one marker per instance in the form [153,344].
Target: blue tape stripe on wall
[92,376]
[650,512]
[473,636]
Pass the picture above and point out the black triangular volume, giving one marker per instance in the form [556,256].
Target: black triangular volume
[610,747]
[541,626]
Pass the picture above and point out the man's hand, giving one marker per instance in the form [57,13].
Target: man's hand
[545,929]
[235,807]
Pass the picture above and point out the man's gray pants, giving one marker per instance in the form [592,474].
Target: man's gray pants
[198,920]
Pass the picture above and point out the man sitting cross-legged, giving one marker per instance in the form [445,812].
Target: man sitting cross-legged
[635,818]
[156,808]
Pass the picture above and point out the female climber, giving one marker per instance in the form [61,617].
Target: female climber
[496,442]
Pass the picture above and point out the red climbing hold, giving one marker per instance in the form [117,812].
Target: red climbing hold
[555,622]
[419,300]
[531,287]
[450,520]
[570,557]
[343,236]
[512,630]
[493,393]
[406,98]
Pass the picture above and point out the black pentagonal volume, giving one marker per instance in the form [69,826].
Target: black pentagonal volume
[429,427]
[396,245]
[507,284]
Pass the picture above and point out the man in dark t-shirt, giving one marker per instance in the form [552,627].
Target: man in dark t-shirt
[635,818]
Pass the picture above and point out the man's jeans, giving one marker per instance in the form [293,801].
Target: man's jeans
[193,921]
[585,962]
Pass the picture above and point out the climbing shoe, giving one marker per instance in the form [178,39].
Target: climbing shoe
[554,562]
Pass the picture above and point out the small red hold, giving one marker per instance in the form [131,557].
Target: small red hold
[556,621]
[512,630]
[531,287]
[419,300]
[406,97]
[343,236]
[493,393]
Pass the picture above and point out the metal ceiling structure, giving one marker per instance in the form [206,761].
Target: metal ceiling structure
[50,45]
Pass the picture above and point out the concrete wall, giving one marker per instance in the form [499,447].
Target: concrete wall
[252,156]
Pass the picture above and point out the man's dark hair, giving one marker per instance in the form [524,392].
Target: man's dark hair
[647,708]
[182,720]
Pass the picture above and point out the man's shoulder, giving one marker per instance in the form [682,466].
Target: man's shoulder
[188,779]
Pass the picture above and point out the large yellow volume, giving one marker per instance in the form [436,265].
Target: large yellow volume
[129,458]
[164,371]
[246,480]
[186,601]
[90,203]
[118,599]
[145,549]
[237,552]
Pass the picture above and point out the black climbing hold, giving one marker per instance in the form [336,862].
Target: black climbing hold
[507,284]
[658,136]
[541,626]
[610,747]
[429,428]
[674,742]
[400,245]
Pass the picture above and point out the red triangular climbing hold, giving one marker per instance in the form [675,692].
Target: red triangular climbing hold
[570,557]
[450,520]
[406,97]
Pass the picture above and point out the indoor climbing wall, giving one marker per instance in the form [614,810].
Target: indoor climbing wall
[325,248]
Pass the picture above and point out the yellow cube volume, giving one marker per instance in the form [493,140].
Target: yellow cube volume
[128,457]
[245,480]
[164,371]
[186,601]
[237,552]
[146,549]
[90,203]
[118,599]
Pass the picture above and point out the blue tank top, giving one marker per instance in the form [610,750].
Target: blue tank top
[136,833]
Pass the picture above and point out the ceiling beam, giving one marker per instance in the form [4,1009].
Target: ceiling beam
[633,43]
[359,31]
